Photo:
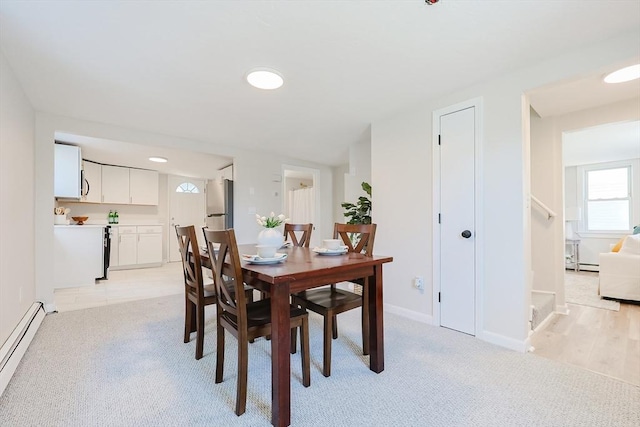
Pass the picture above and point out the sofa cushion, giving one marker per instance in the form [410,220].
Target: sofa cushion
[617,246]
[631,244]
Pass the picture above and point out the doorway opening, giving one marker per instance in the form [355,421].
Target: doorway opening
[300,190]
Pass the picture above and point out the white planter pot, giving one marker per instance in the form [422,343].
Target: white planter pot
[271,237]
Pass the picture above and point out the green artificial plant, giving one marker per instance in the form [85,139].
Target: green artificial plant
[360,212]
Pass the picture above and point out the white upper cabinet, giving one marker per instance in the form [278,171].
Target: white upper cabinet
[115,184]
[143,187]
[226,173]
[92,182]
[127,186]
[67,175]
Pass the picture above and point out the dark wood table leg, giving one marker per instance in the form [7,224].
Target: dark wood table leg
[376,329]
[280,356]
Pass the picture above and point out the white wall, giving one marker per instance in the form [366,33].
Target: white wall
[402,182]
[359,170]
[17,244]
[556,187]
[254,186]
[546,185]
[339,174]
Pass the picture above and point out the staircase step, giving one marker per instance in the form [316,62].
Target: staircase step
[543,307]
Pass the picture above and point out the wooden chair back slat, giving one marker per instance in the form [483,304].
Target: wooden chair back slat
[304,239]
[364,237]
[190,257]
[227,273]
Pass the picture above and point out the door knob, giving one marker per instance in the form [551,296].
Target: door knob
[466,234]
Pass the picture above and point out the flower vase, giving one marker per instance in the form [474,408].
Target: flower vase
[271,237]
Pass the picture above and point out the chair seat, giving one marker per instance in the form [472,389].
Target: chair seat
[330,298]
[259,314]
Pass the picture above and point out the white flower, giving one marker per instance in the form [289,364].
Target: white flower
[272,221]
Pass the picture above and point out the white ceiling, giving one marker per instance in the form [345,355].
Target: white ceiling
[177,68]
[605,143]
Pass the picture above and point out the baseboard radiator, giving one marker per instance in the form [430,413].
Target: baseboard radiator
[16,345]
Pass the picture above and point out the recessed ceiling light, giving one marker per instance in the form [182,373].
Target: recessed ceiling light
[624,75]
[265,79]
[158,159]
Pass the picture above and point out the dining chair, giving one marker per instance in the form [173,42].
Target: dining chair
[329,301]
[244,319]
[197,295]
[303,239]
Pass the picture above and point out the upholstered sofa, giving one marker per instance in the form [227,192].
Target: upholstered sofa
[620,271]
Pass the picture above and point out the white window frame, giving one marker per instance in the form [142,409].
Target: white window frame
[184,188]
[634,205]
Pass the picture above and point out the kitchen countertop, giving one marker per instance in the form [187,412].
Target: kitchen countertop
[77,226]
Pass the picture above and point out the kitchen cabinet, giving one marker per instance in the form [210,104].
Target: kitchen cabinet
[115,184]
[92,182]
[150,246]
[138,246]
[127,246]
[77,255]
[114,253]
[143,187]
[67,171]
[128,186]
[226,173]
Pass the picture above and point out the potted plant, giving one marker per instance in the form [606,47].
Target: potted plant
[360,212]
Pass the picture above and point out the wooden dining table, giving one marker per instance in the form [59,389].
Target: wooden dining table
[304,269]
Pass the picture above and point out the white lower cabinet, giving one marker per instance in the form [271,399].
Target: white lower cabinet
[127,249]
[150,247]
[139,246]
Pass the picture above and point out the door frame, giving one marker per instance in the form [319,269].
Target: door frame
[318,230]
[477,103]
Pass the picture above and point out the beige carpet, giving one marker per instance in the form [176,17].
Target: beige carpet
[582,288]
[125,365]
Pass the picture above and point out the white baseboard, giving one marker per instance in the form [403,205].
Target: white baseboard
[502,341]
[562,309]
[16,345]
[409,314]
[543,324]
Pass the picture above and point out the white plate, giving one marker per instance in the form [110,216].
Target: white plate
[255,259]
[324,251]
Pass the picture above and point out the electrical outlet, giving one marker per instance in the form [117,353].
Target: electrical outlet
[418,283]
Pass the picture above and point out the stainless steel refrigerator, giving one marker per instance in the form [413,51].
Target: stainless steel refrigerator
[219,204]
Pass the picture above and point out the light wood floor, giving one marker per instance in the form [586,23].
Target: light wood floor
[123,286]
[603,341]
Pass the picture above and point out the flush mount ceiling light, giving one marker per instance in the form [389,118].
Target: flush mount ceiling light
[158,159]
[624,75]
[265,79]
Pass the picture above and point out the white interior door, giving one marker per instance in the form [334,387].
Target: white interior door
[187,206]
[457,221]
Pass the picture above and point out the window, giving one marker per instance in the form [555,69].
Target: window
[608,201]
[187,187]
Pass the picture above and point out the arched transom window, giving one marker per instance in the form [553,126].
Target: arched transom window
[187,187]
